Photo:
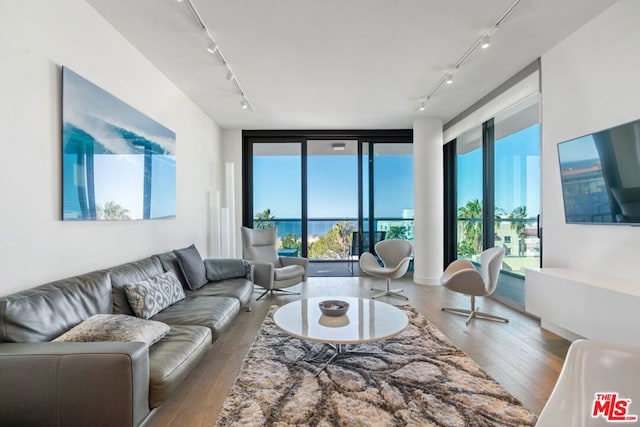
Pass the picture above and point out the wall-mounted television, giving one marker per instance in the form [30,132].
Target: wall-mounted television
[600,175]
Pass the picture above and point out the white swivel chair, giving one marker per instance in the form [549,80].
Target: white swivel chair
[461,276]
[594,367]
[396,256]
[270,271]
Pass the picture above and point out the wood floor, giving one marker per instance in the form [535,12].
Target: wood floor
[521,356]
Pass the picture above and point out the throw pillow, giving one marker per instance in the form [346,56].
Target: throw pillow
[192,267]
[226,268]
[115,327]
[150,296]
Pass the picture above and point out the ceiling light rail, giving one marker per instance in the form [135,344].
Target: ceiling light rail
[214,49]
[483,42]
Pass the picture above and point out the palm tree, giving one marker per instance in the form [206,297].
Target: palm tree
[471,214]
[264,219]
[519,223]
[111,210]
[397,232]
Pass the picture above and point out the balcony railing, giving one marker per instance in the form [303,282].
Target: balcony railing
[518,236]
[331,238]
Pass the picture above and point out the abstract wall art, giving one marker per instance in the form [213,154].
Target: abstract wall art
[117,163]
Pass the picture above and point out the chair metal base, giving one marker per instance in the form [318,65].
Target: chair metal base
[276,290]
[473,313]
[389,292]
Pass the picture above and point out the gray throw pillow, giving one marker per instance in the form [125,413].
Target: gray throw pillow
[115,327]
[226,268]
[192,267]
[148,297]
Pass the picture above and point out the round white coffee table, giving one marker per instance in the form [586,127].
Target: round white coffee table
[366,320]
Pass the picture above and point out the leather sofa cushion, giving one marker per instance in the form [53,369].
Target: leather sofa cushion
[240,288]
[47,311]
[288,272]
[213,312]
[192,266]
[172,358]
[169,261]
[131,272]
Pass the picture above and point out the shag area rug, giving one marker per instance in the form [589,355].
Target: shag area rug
[418,378]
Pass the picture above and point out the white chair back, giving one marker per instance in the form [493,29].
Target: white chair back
[392,251]
[490,265]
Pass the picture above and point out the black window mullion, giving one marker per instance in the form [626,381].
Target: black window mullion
[305,216]
[450,204]
[488,187]
[371,230]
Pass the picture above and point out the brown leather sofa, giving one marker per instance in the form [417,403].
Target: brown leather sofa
[103,383]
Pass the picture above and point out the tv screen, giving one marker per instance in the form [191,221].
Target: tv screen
[600,176]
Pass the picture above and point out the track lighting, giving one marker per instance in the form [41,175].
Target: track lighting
[485,41]
[212,46]
[448,79]
[214,49]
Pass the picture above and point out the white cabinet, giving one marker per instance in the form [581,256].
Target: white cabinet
[575,304]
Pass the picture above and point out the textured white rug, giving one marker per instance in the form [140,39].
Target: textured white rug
[418,378]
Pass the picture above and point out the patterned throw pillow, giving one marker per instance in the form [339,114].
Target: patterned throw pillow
[115,327]
[150,296]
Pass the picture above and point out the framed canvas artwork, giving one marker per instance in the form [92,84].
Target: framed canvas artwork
[117,163]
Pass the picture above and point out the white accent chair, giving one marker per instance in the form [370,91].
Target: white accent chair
[396,256]
[593,367]
[461,276]
[270,271]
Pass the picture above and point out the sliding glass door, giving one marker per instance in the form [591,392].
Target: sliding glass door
[330,198]
[497,187]
[469,204]
[277,192]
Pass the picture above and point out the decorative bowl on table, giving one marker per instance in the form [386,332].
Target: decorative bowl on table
[334,307]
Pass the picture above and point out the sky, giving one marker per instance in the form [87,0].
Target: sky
[332,185]
[517,172]
[333,182]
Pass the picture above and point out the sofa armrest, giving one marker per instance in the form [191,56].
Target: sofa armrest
[82,384]
[263,274]
[303,262]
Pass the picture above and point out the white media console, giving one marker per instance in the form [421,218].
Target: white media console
[577,304]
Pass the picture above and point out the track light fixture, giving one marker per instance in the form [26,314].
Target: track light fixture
[482,42]
[214,49]
[485,41]
[448,79]
[212,46]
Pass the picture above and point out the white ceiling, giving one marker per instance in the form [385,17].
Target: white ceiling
[341,64]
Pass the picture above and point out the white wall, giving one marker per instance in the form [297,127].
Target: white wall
[590,81]
[36,39]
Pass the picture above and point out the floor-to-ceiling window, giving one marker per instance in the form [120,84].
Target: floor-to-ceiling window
[469,194]
[332,195]
[277,195]
[332,198]
[497,192]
